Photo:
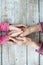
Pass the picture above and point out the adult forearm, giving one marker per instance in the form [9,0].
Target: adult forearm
[33,43]
[36,28]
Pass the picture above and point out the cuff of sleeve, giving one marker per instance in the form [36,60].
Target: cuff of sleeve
[40,50]
[5,38]
[4,26]
[41,26]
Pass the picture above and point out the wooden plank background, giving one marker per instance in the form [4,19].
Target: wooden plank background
[28,12]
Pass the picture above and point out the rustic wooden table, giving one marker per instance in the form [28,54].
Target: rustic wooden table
[28,12]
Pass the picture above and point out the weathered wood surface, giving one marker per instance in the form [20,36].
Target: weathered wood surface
[41,35]
[32,14]
[27,12]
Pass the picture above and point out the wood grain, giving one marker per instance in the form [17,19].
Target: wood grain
[14,54]
[32,7]
[28,12]
[41,34]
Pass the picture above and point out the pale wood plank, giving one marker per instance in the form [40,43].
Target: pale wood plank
[14,54]
[41,34]
[18,55]
[32,19]
[5,56]
[0,54]
[0,33]
[20,51]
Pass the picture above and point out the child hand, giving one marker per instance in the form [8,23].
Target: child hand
[14,33]
[20,40]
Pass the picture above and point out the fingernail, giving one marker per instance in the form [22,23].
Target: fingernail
[21,35]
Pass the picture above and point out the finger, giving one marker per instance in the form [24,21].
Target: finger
[16,34]
[17,29]
[13,39]
[11,27]
[16,41]
[10,41]
[11,32]
[21,38]
[23,34]
[20,25]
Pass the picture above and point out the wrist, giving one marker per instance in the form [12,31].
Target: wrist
[32,43]
[29,41]
[31,30]
[36,28]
